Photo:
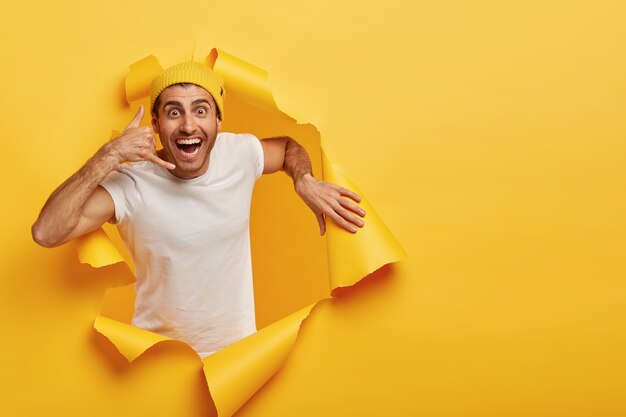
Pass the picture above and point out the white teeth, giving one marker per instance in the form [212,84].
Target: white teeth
[188,141]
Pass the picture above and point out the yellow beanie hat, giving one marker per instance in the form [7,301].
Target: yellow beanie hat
[194,73]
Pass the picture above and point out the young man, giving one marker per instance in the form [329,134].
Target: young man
[184,211]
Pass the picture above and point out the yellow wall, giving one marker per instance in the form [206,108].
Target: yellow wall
[490,137]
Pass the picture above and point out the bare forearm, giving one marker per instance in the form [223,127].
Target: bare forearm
[297,162]
[62,211]
[325,199]
[77,206]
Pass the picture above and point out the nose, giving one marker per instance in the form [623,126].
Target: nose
[188,124]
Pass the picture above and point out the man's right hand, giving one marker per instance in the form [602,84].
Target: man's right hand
[79,205]
[136,143]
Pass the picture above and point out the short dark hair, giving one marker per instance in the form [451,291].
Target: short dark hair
[157,101]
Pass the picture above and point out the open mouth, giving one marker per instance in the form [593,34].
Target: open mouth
[188,147]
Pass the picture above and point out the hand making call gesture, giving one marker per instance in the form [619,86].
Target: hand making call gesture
[137,143]
[79,205]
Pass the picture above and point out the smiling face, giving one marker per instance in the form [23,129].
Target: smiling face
[187,122]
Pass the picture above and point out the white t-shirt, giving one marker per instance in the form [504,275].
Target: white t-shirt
[190,242]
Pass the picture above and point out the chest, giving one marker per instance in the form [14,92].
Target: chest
[193,214]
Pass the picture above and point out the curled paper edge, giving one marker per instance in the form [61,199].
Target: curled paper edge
[97,249]
[130,341]
[351,257]
[234,374]
[237,372]
[242,79]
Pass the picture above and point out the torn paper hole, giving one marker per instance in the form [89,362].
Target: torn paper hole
[293,267]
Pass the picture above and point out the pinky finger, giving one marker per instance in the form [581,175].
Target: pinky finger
[321,222]
[158,161]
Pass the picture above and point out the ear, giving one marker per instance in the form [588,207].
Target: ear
[219,124]
[155,124]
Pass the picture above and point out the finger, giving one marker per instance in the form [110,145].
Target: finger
[349,193]
[347,215]
[158,161]
[321,222]
[137,119]
[341,222]
[352,207]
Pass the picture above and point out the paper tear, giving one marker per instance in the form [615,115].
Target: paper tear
[246,81]
[351,257]
[140,78]
[129,340]
[235,373]
[96,249]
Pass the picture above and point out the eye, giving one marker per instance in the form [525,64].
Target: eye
[173,113]
[201,111]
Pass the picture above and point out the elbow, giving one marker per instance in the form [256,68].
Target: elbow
[40,237]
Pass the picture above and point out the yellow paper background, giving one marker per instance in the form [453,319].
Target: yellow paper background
[489,136]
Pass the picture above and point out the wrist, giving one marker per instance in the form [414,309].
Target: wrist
[107,157]
[302,180]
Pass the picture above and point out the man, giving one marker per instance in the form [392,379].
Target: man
[184,211]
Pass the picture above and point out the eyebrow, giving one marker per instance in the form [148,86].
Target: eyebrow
[194,103]
[201,100]
[172,103]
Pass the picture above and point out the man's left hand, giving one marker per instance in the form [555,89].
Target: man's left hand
[328,200]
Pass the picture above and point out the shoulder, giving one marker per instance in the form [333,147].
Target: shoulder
[128,176]
[242,147]
[238,143]
[136,169]
[235,139]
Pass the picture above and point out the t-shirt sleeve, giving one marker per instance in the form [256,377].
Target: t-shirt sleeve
[253,144]
[120,185]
